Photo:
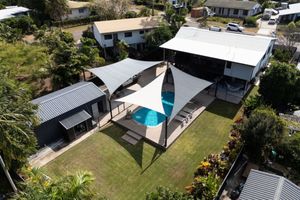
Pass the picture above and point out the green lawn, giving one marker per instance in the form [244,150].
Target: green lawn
[128,172]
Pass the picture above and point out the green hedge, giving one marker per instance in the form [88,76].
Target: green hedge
[77,21]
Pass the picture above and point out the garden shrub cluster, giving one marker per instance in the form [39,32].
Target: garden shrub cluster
[213,169]
[223,20]
[250,22]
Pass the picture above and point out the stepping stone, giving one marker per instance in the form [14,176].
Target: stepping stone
[134,135]
[129,139]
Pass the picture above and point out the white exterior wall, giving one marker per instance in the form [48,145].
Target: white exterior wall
[264,61]
[246,72]
[75,14]
[229,12]
[136,38]
[239,71]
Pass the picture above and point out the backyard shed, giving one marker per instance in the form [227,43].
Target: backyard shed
[68,112]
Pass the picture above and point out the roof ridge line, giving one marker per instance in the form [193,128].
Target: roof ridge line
[67,92]
[279,188]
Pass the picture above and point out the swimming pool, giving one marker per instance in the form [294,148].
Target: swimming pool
[152,118]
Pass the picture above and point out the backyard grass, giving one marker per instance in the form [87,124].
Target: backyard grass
[123,171]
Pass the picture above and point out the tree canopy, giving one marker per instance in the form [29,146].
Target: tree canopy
[158,36]
[56,9]
[261,132]
[25,63]
[279,84]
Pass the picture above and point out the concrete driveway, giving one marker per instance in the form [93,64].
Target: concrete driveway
[265,28]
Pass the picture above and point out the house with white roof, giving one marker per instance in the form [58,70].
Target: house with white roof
[233,8]
[13,11]
[77,10]
[292,13]
[132,31]
[234,58]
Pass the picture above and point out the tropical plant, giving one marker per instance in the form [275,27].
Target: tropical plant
[261,132]
[204,187]
[164,193]
[17,119]
[69,187]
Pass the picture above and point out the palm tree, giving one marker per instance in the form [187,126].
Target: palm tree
[38,186]
[17,140]
[11,182]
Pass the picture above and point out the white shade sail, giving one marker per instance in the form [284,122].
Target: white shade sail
[185,87]
[149,96]
[116,74]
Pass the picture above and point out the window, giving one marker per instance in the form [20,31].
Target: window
[142,32]
[236,11]
[228,65]
[70,12]
[81,10]
[245,12]
[128,34]
[108,37]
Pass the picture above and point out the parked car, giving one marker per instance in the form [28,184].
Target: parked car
[272,21]
[215,28]
[234,27]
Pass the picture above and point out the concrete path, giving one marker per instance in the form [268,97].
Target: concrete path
[265,28]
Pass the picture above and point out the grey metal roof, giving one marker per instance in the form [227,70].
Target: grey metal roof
[245,5]
[75,119]
[116,74]
[266,186]
[66,99]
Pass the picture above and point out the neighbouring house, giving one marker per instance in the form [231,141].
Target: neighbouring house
[77,10]
[231,58]
[292,13]
[132,31]
[263,185]
[13,11]
[68,112]
[233,8]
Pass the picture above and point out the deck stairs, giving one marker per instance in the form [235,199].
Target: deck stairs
[131,137]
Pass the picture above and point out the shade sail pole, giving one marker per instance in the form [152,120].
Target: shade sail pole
[166,132]
[110,108]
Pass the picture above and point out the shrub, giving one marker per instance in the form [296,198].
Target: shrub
[167,194]
[282,55]
[130,14]
[145,12]
[250,22]
[23,23]
[251,103]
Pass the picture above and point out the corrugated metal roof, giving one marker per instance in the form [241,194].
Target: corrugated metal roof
[238,48]
[245,5]
[131,24]
[293,9]
[64,100]
[10,11]
[77,4]
[75,119]
[262,185]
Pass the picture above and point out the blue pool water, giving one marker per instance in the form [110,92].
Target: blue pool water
[152,118]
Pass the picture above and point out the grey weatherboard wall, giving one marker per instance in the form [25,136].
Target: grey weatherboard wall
[51,131]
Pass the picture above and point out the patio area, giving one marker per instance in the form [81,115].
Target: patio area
[156,135]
